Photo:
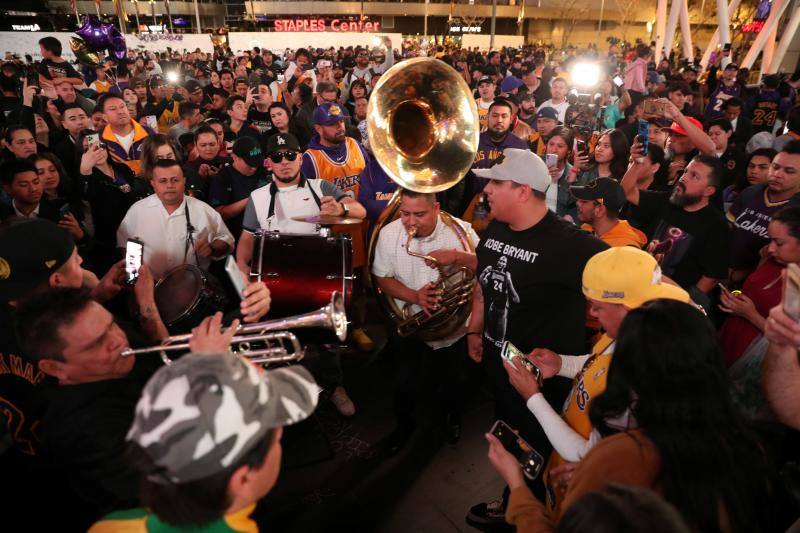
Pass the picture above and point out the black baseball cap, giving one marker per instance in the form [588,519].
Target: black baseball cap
[249,150]
[30,251]
[192,86]
[733,66]
[605,190]
[485,79]
[282,141]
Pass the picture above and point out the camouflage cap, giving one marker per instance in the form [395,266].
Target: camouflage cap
[204,412]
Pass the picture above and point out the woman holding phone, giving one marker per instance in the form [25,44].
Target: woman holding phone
[110,188]
[742,334]
[609,160]
[558,150]
[206,147]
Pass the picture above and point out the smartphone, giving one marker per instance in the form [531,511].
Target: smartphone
[583,148]
[236,276]
[618,81]
[651,107]
[529,459]
[92,139]
[509,352]
[134,250]
[63,211]
[551,160]
[791,291]
[281,77]
[152,122]
[726,47]
[644,135]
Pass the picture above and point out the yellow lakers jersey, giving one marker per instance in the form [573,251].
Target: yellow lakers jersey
[344,175]
[483,114]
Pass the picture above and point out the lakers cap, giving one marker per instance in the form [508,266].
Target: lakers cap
[627,276]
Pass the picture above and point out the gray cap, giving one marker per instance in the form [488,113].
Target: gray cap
[520,166]
[204,412]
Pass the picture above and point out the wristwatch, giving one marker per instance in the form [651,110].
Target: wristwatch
[346,211]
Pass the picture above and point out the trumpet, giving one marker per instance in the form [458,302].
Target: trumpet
[281,345]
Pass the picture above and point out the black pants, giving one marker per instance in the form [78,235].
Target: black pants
[420,370]
[510,407]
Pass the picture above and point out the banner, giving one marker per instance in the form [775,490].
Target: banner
[158,42]
[278,42]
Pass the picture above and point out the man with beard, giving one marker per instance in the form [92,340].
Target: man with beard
[691,240]
[527,109]
[491,145]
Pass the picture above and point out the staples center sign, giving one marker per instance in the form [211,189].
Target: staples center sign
[322,25]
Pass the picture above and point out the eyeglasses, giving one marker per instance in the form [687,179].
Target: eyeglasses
[277,157]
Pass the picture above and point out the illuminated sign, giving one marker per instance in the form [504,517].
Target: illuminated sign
[323,25]
[466,29]
[25,27]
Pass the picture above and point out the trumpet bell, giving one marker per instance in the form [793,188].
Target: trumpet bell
[423,125]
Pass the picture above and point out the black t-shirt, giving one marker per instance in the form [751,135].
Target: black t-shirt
[51,70]
[229,186]
[84,428]
[531,282]
[686,244]
[260,120]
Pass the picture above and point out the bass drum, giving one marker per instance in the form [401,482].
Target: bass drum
[303,271]
[186,295]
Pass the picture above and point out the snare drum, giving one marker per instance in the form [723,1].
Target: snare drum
[302,271]
[186,295]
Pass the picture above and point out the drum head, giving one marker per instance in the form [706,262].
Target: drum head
[177,294]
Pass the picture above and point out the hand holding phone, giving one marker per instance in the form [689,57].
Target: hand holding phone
[791,291]
[644,135]
[529,459]
[134,250]
[236,276]
[618,81]
[509,352]
[64,211]
[551,160]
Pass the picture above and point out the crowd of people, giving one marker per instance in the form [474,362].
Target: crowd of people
[631,239]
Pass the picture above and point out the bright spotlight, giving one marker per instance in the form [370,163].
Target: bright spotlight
[585,74]
[172,76]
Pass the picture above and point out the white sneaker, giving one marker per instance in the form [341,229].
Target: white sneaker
[343,402]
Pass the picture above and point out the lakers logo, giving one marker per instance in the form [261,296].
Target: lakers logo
[5,269]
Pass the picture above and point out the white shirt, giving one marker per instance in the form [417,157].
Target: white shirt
[20,214]
[392,261]
[164,234]
[560,108]
[293,201]
[309,72]
[126,141]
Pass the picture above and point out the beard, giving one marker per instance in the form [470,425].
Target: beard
[498,133]
[681,199]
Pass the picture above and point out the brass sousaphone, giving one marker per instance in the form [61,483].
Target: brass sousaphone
[422,122]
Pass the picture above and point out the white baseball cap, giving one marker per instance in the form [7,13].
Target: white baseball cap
[520,166]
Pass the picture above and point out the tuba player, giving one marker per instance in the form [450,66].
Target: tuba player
[412,280]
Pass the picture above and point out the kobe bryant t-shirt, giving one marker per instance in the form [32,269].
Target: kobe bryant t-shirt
[531,283]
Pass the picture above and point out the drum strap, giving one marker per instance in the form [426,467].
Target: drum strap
[189,236]
[273,192]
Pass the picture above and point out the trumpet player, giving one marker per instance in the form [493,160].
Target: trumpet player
[78,345]
[412,280]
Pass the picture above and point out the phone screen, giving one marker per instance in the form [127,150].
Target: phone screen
[618,81]
[133,260]
[63,211]
[235,275]
[644,135]
[529,459]
[509,351]
[583,148]
[791,291]
[551,160]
